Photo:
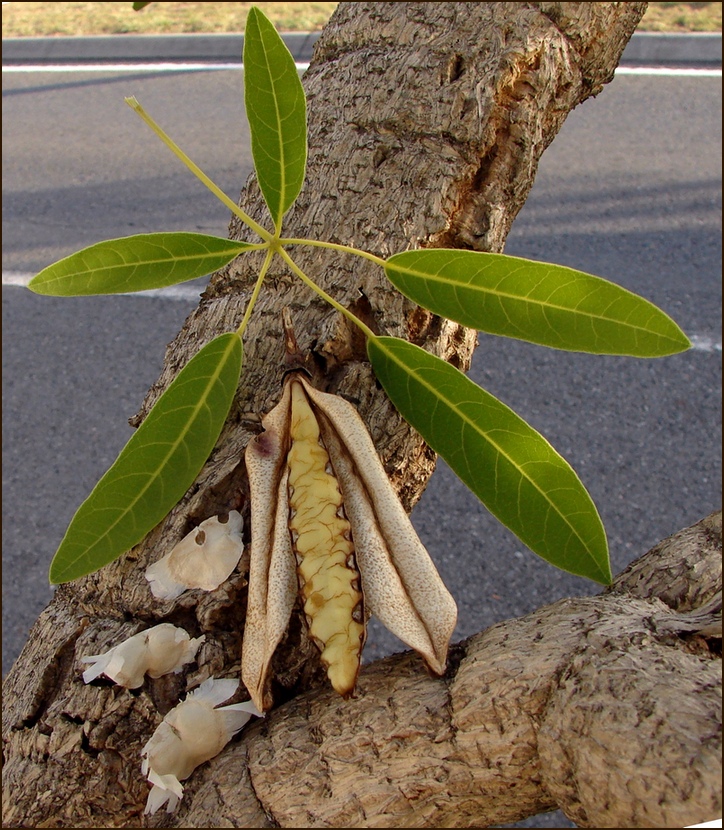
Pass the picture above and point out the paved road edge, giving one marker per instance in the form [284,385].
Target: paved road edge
[650,48]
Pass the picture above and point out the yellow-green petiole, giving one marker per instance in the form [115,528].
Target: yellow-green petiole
[322,293]
[196,170]
[255,293]
[344,249]
[272,242]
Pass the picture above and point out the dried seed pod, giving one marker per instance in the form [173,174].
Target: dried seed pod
[400,582]
[191,734]
[157,651]
[359,518]
[272,572]
[204,558]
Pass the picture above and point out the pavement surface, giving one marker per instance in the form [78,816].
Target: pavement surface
[650,48]
[630,190]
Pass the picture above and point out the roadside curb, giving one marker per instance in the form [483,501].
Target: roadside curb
[193,48]
[656,48]
[652,48]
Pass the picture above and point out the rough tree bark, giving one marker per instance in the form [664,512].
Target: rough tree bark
[427,121]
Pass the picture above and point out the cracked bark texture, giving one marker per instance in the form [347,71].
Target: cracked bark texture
[427,121]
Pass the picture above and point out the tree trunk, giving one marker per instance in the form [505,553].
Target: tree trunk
[427,121]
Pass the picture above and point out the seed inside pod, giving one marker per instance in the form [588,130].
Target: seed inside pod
[325,551]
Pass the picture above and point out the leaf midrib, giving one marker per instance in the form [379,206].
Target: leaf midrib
[502,452]
[282,167]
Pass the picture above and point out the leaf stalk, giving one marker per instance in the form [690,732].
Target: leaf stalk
[255,293]
[344,249]
[323,294]
[198,172]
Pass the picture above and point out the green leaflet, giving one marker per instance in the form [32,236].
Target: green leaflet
[547,304]
[512,469]
[157,465]
[136,263]
[277,112]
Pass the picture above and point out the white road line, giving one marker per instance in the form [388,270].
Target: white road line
[655,71]
[699,342]
[703,343]
[129,67]
[669,72]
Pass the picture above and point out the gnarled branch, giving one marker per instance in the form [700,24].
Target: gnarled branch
[594,705]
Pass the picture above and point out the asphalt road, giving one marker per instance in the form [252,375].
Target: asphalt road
[630,190]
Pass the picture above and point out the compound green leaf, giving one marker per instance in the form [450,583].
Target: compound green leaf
[136,263]
[157,465]
[277,112]
[547,304]
[509,466]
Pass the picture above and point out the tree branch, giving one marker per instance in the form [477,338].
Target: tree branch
[591,705]
[598,706]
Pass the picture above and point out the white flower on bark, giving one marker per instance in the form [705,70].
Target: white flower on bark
[204,558]
[191,734]
[156,651]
